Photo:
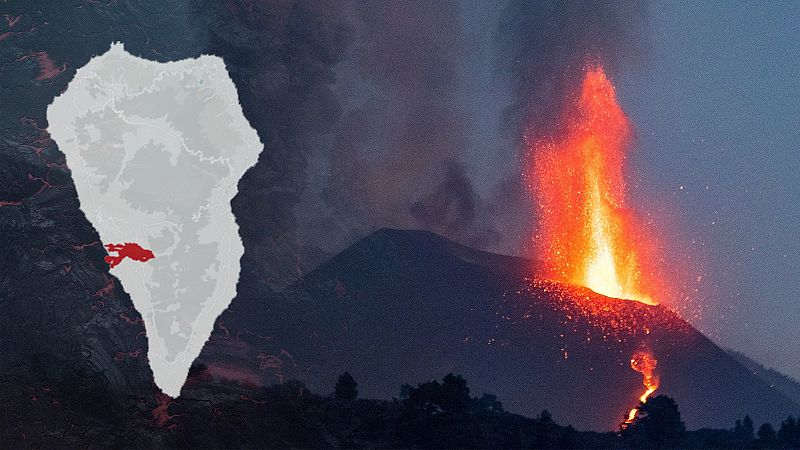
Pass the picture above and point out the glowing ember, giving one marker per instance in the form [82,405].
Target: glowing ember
[645,364]
[585,233]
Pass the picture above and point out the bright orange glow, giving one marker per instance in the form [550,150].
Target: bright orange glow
[586,235]
[645,364]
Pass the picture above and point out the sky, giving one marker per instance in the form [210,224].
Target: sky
[716,106]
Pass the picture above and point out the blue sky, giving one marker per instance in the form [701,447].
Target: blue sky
[716,105]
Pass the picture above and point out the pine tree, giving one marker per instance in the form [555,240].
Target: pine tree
[345,388]
[766,434]
[747,429]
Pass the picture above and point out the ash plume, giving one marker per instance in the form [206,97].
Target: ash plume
[357,106]
[364,110]
[543,46]
[397,154]
[281,57]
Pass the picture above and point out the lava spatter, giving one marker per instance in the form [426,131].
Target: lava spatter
[586,233]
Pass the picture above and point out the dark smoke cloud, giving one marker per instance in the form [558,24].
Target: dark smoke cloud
[542,47]
[452,209]
[363,113]
[396,155]
[281,56]
[356,106]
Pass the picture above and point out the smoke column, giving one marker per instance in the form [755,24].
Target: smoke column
[366,112]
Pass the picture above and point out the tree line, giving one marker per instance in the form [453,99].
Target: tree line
[444,414]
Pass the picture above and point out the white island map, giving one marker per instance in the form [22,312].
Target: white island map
[156,151]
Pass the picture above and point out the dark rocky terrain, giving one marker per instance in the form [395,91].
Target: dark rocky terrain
[779,381]
[409,306]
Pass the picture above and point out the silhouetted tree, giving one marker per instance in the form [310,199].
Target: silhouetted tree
[444,415]
[766,434]
[545,428]
[346,388]
[450,397]
[743,431]
[747,428]
[455,394]
[789,433]
[658,424]
[488,403]
[437,415]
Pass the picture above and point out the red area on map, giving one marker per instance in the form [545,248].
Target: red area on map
[127,250]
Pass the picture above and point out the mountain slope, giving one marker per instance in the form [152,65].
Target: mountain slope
[781,382]
[409,306]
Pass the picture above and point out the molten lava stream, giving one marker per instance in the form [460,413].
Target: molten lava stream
[645,364]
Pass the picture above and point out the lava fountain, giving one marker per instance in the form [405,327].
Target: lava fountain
[586,234]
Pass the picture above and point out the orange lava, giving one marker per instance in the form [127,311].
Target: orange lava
[645,364]
[585,233]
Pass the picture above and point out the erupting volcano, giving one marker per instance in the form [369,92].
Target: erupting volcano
[586,234]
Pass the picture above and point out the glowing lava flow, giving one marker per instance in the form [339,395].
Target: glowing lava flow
[585,232]
[645,364]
